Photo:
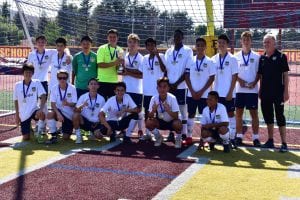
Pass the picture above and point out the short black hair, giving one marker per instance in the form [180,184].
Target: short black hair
[179,32]
[163,80]
[215,94]
[150,40]
[121,84]
[62,71]
[224,37]
[92,79]
[113,31]
[86,38]
[27,67]
[200,39]
[40,37]
[61,40]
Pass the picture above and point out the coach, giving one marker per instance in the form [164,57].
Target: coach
[273,72]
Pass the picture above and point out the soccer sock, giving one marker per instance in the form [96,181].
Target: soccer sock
[155,132]
[41,125]
[148,132]
[255,136]
[240,135]
[209,139]
[225,138]
[131,127]
[78,133]
[52,125]
[190,126]
[232,127]
[140,121]
[178,136]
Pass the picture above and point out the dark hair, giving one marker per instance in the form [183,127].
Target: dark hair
[224,37]
[62,71]
[86,38]
[215,94]
[27,67]
[120,84]
[150,40]
[200,39]
[163,80]
[92,79]
[40,37]
[61,40]
[179,32]
[113,31]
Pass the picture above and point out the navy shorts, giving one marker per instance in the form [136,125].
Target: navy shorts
[230,107]
[214,133]
[163,125]
[248,100]
[122,124]
[67,125]
[80,92]
[45,86]
[146,103]
[194,104]
[91,126]
[180,95]
[26,125]
[137,98]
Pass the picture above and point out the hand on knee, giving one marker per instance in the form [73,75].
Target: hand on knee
[151,124]
[177,125]
[223,130]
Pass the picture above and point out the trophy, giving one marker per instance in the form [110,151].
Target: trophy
[121,54]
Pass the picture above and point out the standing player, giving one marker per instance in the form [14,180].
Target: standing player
[109,58]
[117,112]
[214,122]
[163,113]
[84,66]
[177,58]
[274,89]
[87,112]
[63,98]
[132,77]
[247,88]
[26,95]
[153,68]
[225,81]
[200,74]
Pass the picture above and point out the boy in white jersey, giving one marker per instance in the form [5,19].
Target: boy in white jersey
[200,74]
[177,58]
[87,112]
[225,80]
[247,88]
[26,95]
[59,61]
[163,113]
[63,98]
[153,68]
[214,122]
[117,112]
[132,77]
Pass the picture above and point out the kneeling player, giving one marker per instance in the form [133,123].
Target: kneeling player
[87,112]
[163,113]
[26,94]
[117,113]
[63,98]
[215,122]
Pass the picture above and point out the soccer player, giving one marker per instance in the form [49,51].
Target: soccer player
[84,66]
[63,98]
[214,122]
[87,112]
[117,112]
[247,88]
[109,58]
[132,77]
[225,81]
[274,89]
[25,96]
[163,113]
[200,74]
[153,68]
[177,58]
[59,61]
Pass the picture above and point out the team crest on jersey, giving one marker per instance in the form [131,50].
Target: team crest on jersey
[135,62]
[218,117]
[205,65]
[64,63]
[69,95]
[156,63]
[227,63]
[46,57]
[33,89]
[274,58]
[252,60]
[92,59]
[97,105]
[180,55]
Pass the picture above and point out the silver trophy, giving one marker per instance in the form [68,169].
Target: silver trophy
[121,54]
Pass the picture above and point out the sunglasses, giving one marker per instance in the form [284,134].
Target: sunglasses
[62,78]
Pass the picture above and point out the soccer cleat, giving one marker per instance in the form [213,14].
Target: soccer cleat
[268,144]
[239,141]
[146,138]
[171,137]
[112,137]
[256,143]
[92,136]
[127,140]
[183,136]
[226,148]
[212,146]
[201,145]
[233,144]
[52,140]
[178,143]
[78,139]
[158,140]
[40,138]
[188,141]
[140,133]
[283,148]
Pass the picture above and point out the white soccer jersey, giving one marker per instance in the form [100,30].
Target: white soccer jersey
[151,73]
[133,85]
[112,108]
[58,95]
[219,115]
[27,97]
[93,109]
[57,64]
[224,73]
[162,114]
[199,71]
[176,63]
[247,68]
[41,63]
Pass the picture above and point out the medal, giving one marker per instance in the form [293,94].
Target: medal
[198,66]
[161,115]
[86,61]
[119,113]
[40,61]
[175,54]
[213,119]
[62,97]
[114,53]
[92,105]
[25,92]
[59,63]
[131,63]
[246,61]
[222,62]
[198,73]
[86,69]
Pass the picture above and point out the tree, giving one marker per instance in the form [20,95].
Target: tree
[5,11]
[52,32]
[17,20]
[200,30]
[43,21]
[84,12]
[31,29]
[10,34]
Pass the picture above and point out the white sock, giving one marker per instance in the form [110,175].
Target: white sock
[178,136]
[52,125]
[255,136]
[41,125]
[148,132]
[140,121]
[225,138]
[240,135]
[190,126]
[155,132]
[232,127]
[208,139]
[131,127]
[183,112]
[77,132]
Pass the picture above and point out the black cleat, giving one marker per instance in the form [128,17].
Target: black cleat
[268,144]
[283,148]
[170,138]
[226,148]
[239,141]
[52,140]
[112,137]
[212,146]
[256,143]
[233,144]
[127,140]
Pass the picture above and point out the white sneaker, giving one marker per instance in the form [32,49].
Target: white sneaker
[178,142]
[78,139]
[146,137]
[158,140]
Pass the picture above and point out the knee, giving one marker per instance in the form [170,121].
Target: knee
[231,114]
[76,116]
[177,125]
[205,133]
[223,130]
[50,115]
[151,124]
